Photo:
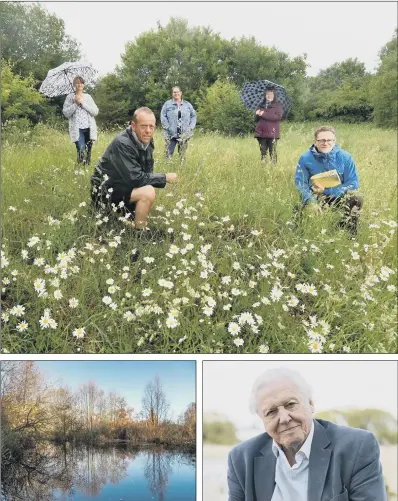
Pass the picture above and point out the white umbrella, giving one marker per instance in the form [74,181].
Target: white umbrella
[59,81]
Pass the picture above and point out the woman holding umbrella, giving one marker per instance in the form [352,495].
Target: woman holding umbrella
[80,109]
[268,116]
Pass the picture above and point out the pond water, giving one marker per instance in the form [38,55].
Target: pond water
[119,473]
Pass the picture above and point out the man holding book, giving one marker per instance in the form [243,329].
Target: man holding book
[327,175]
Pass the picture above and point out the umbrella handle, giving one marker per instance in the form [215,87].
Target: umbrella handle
[71,83]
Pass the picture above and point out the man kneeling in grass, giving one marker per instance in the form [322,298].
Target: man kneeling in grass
[323,156]
[124,176]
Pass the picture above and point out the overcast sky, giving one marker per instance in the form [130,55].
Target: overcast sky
[335,384]
[327,32]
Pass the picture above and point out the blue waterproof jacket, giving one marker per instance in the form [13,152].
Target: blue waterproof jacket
[169,117]
[313,162]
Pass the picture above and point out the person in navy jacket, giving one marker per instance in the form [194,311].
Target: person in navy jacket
[325,155]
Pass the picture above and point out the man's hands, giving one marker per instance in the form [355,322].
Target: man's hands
[171,177]
[317,188]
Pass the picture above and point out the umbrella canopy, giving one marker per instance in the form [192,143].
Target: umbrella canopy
[59,80]
[253,94]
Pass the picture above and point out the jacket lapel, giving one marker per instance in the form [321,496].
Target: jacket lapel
[264,473]
[319,463]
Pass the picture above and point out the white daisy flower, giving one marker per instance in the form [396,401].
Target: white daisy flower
[22,326]
[172,322]
[79,333]
[107,300]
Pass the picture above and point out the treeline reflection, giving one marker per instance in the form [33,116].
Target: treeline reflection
[57,473]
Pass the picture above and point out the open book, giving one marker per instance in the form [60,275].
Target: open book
[328,179]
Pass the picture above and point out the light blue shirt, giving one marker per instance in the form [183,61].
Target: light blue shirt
[291,482]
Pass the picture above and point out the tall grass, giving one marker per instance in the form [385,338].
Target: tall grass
[230,281]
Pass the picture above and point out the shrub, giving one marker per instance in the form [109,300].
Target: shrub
[221,109]
[219,432]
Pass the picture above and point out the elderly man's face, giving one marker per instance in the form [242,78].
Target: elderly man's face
[286,414]
[144,127]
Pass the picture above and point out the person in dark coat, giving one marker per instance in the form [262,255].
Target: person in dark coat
[268,117]
[124,176]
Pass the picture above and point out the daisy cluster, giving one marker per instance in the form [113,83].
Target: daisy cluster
[210,284]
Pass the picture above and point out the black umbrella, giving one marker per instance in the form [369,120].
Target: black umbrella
[252,95]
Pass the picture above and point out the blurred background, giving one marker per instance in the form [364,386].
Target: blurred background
[361,394]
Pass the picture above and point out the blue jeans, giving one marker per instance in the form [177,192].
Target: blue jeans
[83,146]
[171,145]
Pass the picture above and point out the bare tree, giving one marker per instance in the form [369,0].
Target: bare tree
[155,406]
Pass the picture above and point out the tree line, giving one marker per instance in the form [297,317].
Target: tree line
[33,410]
[209,69]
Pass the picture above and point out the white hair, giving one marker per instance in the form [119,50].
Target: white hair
[276,375]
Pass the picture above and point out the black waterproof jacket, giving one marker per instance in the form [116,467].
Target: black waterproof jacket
[128,165]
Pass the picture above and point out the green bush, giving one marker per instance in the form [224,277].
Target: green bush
[222,110]
[384,87]
[381,423]
[220,432]
[19,98]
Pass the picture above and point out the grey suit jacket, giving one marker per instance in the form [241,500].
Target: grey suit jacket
[344,466]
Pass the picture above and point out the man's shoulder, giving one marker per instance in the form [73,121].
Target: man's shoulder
[250,447]
[307,156]
[343,434]
[343,154]
[123,138]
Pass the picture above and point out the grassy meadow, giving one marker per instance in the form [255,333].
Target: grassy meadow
[233,273]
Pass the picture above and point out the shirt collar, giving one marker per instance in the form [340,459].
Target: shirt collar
[305,448]
[141,145]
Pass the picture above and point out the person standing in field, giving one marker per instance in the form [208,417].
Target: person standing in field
[124,176]
[80,109]
[268,116]
[324,155]
[178,119]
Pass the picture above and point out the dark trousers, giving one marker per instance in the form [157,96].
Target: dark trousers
[268,144]
[83,147]
[351,205]
[171,146]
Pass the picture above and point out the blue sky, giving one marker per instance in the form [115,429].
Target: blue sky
[128,378]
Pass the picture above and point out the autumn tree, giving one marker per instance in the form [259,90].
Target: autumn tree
[188,421]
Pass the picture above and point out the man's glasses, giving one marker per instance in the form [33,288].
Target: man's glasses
[324,141]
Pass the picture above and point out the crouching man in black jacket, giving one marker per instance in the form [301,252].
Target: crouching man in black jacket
[124,176]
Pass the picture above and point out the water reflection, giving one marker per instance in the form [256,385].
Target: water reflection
[63,473]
